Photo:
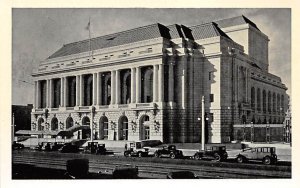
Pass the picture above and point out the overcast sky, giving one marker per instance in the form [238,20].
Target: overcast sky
[38,33]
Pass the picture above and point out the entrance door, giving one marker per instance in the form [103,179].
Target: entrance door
[144,128]
[86,132]
[123,128]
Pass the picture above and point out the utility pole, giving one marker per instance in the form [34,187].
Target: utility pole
[203,124]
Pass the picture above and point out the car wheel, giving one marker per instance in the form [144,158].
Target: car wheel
[140,154]
[197,156]
[156,154]
[126,154]
[217,157]
[267,160]
[172,155]
[240,159]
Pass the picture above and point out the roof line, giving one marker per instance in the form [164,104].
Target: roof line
[113,34]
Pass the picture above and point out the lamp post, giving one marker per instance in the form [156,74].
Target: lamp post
[13,128]
[203,128]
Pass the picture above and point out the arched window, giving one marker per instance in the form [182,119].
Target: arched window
[144,128]
[103,128]
[282,104]
[41,124]
[274,102]
[269,102]
[88,90]
[123,128]
[147,85]
[264,101]
[278,104]
[125,86]
[56,94]
[43,91]
[106,89]
[253,98]
[69,122]
[86,132]
[54,124]
[258,100]
[71,91]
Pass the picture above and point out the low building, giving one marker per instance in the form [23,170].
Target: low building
[147,83]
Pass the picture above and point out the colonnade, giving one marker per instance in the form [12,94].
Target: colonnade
[44,89]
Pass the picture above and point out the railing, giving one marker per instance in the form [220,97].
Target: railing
[103,106]
[70,108]
[84,107]
[123,105]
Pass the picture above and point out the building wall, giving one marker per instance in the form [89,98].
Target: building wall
[222,75]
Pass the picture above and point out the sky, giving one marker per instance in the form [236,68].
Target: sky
[38,33]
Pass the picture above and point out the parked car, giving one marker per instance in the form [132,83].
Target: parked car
[168,151]
[95,148]
[17,146]
[135,149]
[265,154]
[69,148]
[215,152]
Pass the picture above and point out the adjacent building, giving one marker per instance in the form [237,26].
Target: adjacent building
[147,83]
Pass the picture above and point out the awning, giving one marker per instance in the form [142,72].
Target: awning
[30,132]
[71,130]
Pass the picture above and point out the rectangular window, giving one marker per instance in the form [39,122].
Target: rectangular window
[210,75]
[211,97]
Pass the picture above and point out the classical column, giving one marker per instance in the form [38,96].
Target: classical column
[132,89]
[77,90]
[99,90]
[66,92]
[47,94]
[171,82]
[61,91]
[183,82]
[138,85]
[95,88]
[161,83]
[113,87]
[155,83]
[38,95]
[118,96]
[50,93]
[81,87]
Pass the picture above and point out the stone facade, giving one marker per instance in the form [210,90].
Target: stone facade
[147,83]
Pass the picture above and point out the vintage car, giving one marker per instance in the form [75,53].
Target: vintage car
[168,151]
[69,148]
[95,148]
[17,146]
[135,149]
[215,152]
[265,154]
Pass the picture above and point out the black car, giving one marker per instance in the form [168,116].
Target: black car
[214,152]
[95,148]
[168,151]
[69,148]
[17,146]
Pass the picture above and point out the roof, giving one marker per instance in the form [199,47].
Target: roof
[207,30]
[239,20]
[120,38]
